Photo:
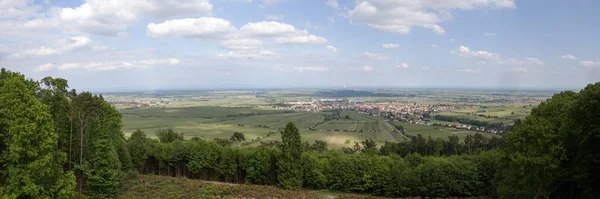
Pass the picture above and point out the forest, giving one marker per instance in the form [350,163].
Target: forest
[60,143]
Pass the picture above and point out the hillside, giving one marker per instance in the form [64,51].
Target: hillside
[152,186]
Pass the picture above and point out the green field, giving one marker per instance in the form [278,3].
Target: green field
[222,122]
[493,114]
[218,114]
[436,131]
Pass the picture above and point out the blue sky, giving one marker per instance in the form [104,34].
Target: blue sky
[198,44]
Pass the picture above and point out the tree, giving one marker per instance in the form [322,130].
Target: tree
[139,148]
[531,160]
[55,95]
[237,137]
[289,172]
[369,146]
[580,135]
[86,110]
[168,135]
[319,145]
[31,164]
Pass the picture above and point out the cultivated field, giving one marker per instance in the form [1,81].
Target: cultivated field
[218,114]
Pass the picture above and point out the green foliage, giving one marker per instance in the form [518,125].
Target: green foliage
[102,179]
[289,172]
[237,137]
[31,163]
[313,175]
[139,149]
[168,135]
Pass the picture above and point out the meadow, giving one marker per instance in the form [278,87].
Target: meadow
[436,131]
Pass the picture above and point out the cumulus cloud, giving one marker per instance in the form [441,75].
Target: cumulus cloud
[390,45]
[44,67]
[568,56]
[464,51]
[111,65]
[590,63]
[367,68]
[434,46]
[311,68]
[249,36]
[400,16]
[71,44]
[206,27]
[376,56]
[402,65]
[332,48]
[108,17]
[246,54]
[489,34]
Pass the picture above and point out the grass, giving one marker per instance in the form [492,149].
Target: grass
[436,132]
[222,122]
[151,186]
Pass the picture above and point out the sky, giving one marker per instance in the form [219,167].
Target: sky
[122,45]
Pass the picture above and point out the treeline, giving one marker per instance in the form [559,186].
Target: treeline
[462,120]
[472,144]
[57,143]
[295,164]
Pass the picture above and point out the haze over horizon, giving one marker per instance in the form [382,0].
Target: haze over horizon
[104,45]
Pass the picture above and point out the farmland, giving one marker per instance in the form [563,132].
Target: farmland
[260,114]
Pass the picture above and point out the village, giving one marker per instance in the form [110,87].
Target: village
[413,113]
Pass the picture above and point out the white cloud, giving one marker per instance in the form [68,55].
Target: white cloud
[114,65]
[66,66]
[311,68]
[274,17]
[268,28]
[71,44]
[332,48]
[301,39]
[452,40]
[241,43]
[109,17]
[246,54]
[402,65]
[266,53]
[367,68]
[568,56]
[330,19]
[390,45]
[281,33]
[519,70]
[434,46]
[489,34]
[249,36]
[400,16]
[376,56]
[333,3]
[590,63]
[464,51]
[12,9]
[44,67]
[206,27]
